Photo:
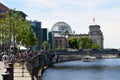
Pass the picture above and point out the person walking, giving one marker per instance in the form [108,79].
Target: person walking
[5,59]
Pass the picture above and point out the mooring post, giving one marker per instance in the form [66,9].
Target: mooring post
[6,76]
[11,71]
[32,75]
[22,68]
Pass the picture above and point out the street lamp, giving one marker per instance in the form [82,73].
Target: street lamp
[66,39]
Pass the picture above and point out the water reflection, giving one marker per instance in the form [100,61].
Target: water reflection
[104,69]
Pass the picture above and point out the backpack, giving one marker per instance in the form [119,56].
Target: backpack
[5,58]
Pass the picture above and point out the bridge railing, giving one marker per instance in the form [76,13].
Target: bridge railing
[35,63]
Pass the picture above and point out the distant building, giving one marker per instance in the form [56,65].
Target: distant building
[3,8]
[36,26]
[96,35]
[44,34]
[50,40]
[62,31]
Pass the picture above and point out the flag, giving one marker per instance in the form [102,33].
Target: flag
[94,21]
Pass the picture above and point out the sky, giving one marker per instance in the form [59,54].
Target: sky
[77,13]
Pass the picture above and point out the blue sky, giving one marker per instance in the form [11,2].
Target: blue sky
[77,13]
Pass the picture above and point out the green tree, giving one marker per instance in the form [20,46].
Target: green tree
[95,46]
[87,43]
[60,48]
[45,45]
[73,43]
[16,27]
[4,36]
[21,30]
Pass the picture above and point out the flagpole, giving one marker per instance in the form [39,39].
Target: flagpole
[94,21]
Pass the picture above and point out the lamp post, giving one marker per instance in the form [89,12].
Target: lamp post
[66,39]
[18,47]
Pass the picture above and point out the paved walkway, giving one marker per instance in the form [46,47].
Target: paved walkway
[17,72]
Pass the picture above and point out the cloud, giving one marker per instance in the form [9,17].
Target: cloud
[77,13]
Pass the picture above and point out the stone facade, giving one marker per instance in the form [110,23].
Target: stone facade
[60,41]
[94,33]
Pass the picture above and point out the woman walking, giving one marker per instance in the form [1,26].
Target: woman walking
[5,59]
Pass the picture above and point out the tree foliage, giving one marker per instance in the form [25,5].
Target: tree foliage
[16,28]
[60,48]
[73,43]
[95,46]
[45,45]
[85,43]
[82,43]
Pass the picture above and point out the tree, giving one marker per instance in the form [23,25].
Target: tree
[45,45]
[95,46]
[87,43]
[17,29]
[4,36]
[21,30]
[60,48]
[73,43]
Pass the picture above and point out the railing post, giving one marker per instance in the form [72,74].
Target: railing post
[32,76]
[9,70]
[12,71]
[6,76]
[22,68]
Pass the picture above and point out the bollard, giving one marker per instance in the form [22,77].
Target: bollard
[22,68]
[32,76]
[9,70]
[12,71]
[6,76]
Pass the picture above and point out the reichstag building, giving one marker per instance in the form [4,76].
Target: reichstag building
[62,32]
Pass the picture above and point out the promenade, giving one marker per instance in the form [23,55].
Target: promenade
[18,75]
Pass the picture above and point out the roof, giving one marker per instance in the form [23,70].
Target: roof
[3,8]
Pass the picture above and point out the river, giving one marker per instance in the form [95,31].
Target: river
[102,69]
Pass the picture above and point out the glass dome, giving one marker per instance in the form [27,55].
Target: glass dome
[61,28]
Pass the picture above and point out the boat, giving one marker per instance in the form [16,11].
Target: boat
[88,58]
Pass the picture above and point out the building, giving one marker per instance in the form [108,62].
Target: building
[44,34]
[62,31]
[3,8]
[96,35]
[36,26]
[50,39]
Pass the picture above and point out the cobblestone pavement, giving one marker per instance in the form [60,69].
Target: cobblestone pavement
[18,75]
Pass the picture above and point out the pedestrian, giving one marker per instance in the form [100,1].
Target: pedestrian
[5,59]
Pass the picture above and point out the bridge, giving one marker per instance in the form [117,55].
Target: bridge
[36,64]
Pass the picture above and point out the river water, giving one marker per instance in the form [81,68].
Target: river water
[102,69]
